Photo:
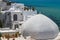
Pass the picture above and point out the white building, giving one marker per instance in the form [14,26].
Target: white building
[5,5]
[13,16]
[17,15]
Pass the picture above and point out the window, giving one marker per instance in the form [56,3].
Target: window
[7,16]
[21,17]
[16,26]
[15,17]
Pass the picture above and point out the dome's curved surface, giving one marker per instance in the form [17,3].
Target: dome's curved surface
[40,27]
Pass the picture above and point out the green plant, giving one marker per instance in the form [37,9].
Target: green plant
[0,13]
[0,34]
[1,24]
[33,8]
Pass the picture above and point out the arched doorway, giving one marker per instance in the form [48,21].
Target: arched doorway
[15,17]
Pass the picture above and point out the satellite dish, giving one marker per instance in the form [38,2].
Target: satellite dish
[40,27]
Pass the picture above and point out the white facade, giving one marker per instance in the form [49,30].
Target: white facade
[4,5]
[16,15]
[0,0]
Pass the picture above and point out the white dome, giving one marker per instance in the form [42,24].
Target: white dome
[40,27]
